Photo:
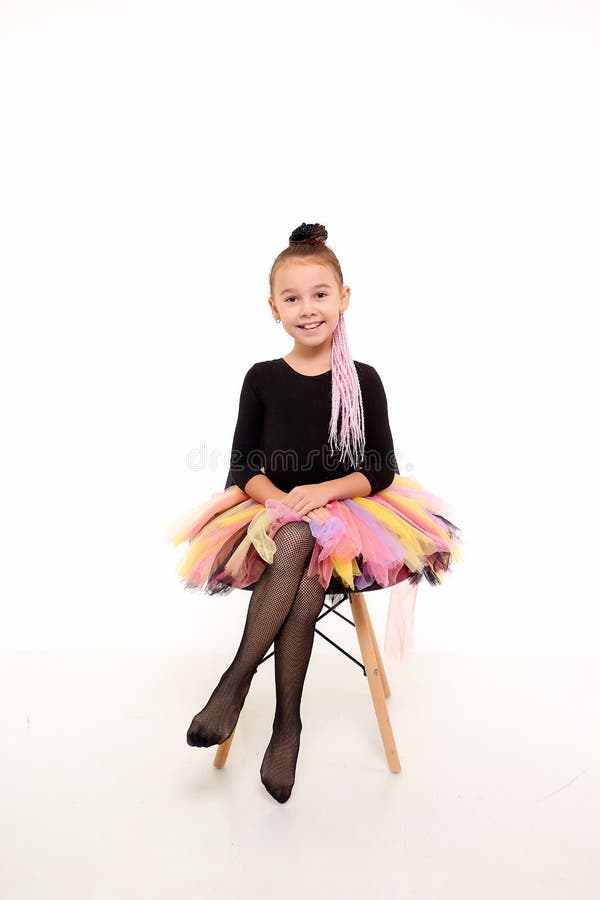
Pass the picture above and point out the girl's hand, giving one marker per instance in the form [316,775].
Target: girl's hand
[307,497]
[319,515]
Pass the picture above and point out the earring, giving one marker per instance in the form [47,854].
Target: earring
[278,320]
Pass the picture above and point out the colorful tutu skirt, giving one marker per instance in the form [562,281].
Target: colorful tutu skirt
[392,538]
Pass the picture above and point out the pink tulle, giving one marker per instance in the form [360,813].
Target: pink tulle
[399,635]
[390,539]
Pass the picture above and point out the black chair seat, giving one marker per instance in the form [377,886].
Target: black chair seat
[334,587]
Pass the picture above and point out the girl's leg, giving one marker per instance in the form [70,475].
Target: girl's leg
[269,606]
[293,648]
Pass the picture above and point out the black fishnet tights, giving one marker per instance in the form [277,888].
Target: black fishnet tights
[293,648]
[283,609]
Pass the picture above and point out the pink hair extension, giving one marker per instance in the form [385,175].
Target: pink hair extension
[346,397]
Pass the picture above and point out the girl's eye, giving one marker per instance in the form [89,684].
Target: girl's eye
[319,294]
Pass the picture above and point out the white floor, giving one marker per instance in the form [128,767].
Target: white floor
[499,796]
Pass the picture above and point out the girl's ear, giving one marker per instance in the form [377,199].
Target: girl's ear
[345,297]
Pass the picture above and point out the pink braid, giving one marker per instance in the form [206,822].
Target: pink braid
[346,397]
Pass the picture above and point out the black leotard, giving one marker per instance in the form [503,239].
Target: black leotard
[283,426]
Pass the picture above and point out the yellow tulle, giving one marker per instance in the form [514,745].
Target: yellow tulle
[257,535]
[345,571]
[212,534]
[416,544]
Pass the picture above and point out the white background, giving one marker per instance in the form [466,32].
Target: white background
[155,158]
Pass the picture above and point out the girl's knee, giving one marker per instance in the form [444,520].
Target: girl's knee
[294,542]
[294,534]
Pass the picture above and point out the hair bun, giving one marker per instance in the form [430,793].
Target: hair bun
[306,232]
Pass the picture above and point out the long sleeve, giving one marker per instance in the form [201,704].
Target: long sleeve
[380,463]
[247,458]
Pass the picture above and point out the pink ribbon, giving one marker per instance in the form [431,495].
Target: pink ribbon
[399,635]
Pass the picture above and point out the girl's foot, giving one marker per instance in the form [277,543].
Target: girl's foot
[278,769]
[215,723]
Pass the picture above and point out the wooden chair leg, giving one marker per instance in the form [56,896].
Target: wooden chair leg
[371,659]
[223,752]
[384,679]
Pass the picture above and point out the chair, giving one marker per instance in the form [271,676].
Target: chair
[371,665]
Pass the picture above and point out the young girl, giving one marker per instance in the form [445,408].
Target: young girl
[313,503]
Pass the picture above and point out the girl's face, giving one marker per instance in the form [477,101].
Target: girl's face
[307,292]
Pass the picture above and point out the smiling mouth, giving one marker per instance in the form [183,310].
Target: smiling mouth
[312,327]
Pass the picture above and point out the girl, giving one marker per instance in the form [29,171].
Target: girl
[308,507]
